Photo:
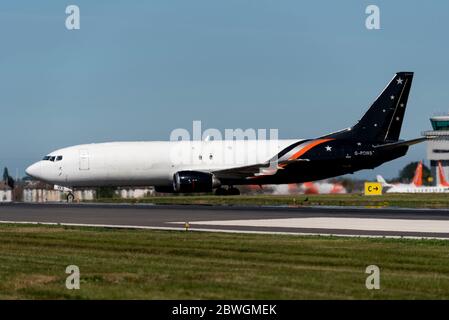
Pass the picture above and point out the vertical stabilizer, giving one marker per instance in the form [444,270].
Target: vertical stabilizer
[382,122]
[382,181]
[417,179]
[441,176]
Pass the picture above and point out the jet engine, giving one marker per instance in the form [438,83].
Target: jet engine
[194,181]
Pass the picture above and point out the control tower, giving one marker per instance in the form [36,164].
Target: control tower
[438,147]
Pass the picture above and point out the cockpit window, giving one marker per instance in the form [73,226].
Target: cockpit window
[52,158]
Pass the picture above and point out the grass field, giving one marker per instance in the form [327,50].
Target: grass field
[142,264]
[393,200]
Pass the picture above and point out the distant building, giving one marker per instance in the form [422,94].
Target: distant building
[438,148]
[5,193]
[36,191]
[84,195]
[134,193]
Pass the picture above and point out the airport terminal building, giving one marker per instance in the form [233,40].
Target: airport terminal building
[438,148]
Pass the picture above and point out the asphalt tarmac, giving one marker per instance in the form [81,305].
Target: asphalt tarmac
[338,221]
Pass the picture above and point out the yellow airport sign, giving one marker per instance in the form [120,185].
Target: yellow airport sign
[373,189]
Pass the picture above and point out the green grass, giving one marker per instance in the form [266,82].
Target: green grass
[392,200]
[142,264]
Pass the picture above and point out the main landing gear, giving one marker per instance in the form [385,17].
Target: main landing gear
[230,191]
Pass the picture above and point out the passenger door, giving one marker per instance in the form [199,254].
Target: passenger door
[84,159]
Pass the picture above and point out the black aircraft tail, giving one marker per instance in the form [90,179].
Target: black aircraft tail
[383,120]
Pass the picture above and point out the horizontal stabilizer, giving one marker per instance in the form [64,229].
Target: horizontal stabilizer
[400,143]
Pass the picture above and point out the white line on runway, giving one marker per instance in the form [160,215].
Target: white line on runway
[330,234]
[364,224]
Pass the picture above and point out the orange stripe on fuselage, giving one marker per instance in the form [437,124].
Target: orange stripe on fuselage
[308,147]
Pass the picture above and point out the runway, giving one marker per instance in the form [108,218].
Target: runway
[338,221]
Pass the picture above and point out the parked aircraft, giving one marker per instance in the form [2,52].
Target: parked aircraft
[416,185]
[416,181]
[367,144]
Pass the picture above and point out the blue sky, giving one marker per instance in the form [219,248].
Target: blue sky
[138,69]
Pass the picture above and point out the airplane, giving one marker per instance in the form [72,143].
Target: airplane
[416,185]
[370,142]
[416,181]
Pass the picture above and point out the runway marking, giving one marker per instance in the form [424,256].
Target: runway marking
[364,224]
[308,234]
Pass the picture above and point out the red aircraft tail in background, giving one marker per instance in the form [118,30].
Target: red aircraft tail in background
[417,179]
[442,178]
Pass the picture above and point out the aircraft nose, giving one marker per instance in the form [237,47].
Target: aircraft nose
[34,170]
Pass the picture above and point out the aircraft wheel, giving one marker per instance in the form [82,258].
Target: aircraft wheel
[70,197]
[232,191]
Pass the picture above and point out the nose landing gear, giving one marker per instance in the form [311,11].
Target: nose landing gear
[70,197]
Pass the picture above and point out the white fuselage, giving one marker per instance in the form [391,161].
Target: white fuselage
[404,188]
[148,163]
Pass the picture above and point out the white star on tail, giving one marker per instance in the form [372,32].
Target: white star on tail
[328,148]
[399,81]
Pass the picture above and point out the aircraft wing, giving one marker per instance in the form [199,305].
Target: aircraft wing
[254,171]
[239,172]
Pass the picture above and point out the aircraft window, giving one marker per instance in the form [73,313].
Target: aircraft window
[46,158]
[52,158]
[58,158]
